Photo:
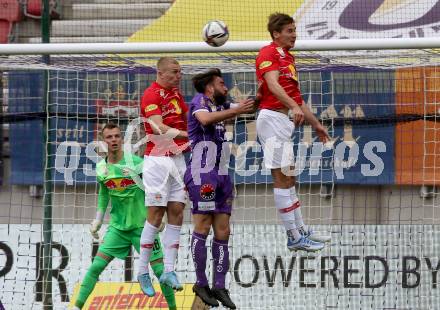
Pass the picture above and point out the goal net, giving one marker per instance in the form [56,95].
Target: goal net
[373,188]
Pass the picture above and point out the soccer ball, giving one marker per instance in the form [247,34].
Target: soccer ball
[215,33]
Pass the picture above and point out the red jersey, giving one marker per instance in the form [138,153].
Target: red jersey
[169,104]
[270,58]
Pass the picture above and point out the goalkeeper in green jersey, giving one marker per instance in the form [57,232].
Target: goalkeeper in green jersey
[127,215]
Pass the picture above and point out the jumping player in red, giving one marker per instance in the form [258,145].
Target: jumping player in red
[279,90]
[165,112]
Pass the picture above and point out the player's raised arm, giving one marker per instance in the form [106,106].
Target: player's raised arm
[152,111]
[212,85]
[159,128]
[206,118]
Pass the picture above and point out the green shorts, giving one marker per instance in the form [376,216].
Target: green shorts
[117,243]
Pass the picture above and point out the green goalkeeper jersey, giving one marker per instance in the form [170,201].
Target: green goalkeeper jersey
[117,186]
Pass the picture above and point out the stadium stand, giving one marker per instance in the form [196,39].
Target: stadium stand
[33,8]
[93,21]
[10,13]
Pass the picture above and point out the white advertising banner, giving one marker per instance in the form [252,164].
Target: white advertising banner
[364,267]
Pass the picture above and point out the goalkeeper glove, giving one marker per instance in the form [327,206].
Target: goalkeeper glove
[94,228]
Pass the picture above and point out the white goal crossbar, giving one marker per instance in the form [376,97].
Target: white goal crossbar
[201,47]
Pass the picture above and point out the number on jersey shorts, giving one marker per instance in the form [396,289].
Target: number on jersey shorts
[163,179]
[275,130]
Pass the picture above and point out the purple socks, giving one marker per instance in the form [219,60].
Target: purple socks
[198,251]
[220,253]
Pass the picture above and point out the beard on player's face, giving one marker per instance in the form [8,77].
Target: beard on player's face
[219,97]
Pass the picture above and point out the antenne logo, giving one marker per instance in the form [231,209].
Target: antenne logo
[368,19]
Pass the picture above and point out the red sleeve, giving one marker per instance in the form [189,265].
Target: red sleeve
[150,105]
[267,61]
[298,98]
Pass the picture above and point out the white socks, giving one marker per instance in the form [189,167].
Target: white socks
[171,241]
[286,207]
[147,242]
[297,211]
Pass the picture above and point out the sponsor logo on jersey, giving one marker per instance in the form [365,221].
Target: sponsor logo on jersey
[206,205]
[176,106]
[172,107]
[151,107]
[292,70]
[207,192]
[119,184]
[265,64]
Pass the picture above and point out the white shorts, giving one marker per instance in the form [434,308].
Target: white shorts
[275,131]
[162,177]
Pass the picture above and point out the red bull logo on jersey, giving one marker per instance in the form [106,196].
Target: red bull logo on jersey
[172,107]
[119,184]
[293,74]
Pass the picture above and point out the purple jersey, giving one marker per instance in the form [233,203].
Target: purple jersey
[213,132]
[214,192]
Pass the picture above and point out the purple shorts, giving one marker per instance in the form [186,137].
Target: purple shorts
[213,194]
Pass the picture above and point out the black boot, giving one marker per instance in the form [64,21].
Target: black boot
[205,295]
[222,295]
